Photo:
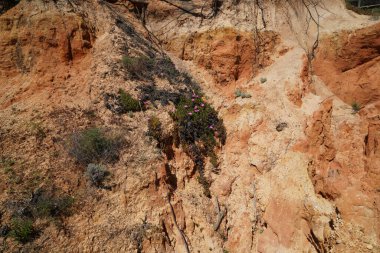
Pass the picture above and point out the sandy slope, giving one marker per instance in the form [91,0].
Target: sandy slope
[308,186]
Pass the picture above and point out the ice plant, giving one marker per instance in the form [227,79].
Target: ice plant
[199,130]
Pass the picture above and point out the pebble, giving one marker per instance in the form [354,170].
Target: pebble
[369,246]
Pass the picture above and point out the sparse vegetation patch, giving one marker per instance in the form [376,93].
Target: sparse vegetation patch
[123,102]
[263,80]
[355,107]
[44,204]
[145,68]
[95,145]
[138,67]
[155,128]
[22,230]
[38,131]
[239,93]
[128,103]
[97,173]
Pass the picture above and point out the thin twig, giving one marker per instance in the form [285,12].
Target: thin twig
[184,10]
[176,225]
[221,214]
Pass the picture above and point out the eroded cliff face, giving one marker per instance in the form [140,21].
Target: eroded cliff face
[228,55]
[299,171]
[347,63]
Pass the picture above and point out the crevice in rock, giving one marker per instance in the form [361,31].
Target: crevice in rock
[69,55]
[170,179]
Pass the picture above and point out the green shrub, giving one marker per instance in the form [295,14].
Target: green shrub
[263,80]
[95,145]
[53,207]
[199,129]
[206,185]
[198,122]
[128,103]
[155,128]
[239,93]
[146,68]
[138,67]
[22,230]
[213,159]
[44,204]
[38,131]
[6,163]
[97,174]
[355,107]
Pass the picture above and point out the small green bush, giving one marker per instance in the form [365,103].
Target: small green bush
[263,80]
[44,204]
[146,68]
[198,122]
[138,67]
[128,103]
[95,145]
[22,230]
[206,185]
[97,174]
[239,93]
[213,159]
[38,131]
[6,163]
[355,107]
[53,207]
[155,128]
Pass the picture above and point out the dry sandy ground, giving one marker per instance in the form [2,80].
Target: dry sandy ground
[299,171]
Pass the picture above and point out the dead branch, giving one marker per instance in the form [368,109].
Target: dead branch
[259,4]
[195,14]
[176,225]
[221,214]
[257,218]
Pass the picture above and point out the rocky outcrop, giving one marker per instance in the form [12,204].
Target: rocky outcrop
[44,46]
[339,167]
[229,55]
[348,63]
[57,39]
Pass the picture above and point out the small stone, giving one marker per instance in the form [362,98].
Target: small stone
[281,126]
[338,241]
[369,246]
